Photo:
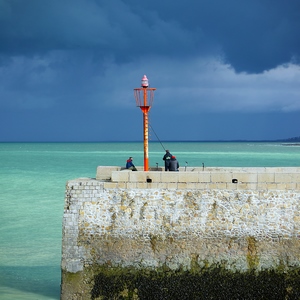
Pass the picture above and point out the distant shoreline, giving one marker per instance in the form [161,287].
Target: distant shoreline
[285,142]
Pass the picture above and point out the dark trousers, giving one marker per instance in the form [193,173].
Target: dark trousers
[167,165]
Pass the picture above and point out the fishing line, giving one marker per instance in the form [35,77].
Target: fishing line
[186,163]
[157,137]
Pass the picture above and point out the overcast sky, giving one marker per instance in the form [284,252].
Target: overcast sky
[223,70]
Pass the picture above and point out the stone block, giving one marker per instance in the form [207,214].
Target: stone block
[231,186]
[104,172]
[273,170]
[252,186]
[201,185]
[169,176]
[262,186]
[142,185]
[188,177]
[131,185]
[221,177]
[137,176]
[280,186]
[122,185]
[191,185]
[149,185]
[160,185]
[212,186]
[271,186]
[204,177]
[181,185]
[117,176]
[157,185]
[291,185]
[244,186]
[155,176]
[283,177]
[110,185]
[266,177]
[172,185]
[245,177]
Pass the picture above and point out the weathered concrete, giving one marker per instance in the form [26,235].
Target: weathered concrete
[189,221]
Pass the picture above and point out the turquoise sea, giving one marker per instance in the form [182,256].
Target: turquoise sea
[33,177]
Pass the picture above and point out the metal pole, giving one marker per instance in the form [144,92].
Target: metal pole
[146,157]
[143,104]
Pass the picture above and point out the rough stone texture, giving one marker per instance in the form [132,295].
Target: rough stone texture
[180,225]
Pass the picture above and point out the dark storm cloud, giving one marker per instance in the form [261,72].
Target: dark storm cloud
[104,27]
[74,64]
[252,36]
[258,35]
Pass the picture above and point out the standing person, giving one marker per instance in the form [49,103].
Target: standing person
[130,165]
[174,165]
[167,159]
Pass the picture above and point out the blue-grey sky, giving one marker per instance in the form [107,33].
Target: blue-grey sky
[223,70]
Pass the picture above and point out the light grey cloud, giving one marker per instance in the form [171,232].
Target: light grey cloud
[201,84]
[209,84]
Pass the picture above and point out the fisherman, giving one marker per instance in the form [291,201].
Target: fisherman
[130,165]
[174,165]
[167,159]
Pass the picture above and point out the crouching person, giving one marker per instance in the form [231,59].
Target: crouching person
[174,165]
[130,165]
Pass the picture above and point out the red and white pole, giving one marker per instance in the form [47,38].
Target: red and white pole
[145,105]
[146,134]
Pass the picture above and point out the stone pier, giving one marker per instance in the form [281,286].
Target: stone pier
[210,233]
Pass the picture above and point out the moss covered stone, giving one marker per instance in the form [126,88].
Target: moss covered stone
[129,283]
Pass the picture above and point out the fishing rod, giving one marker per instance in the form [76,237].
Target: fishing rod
[186,163]
[157,137]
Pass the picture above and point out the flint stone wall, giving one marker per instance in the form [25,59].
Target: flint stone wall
[121,220]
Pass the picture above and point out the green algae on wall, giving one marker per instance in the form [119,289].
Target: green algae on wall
[218,283]
[252,257]
[105,283]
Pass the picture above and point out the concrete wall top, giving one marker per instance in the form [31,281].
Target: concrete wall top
[276,174]
[198,178]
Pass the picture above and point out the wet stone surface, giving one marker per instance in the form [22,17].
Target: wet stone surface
[129,283]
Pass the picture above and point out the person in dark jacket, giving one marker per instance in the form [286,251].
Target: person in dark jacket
[167,159]
[174,165]
[130,165]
